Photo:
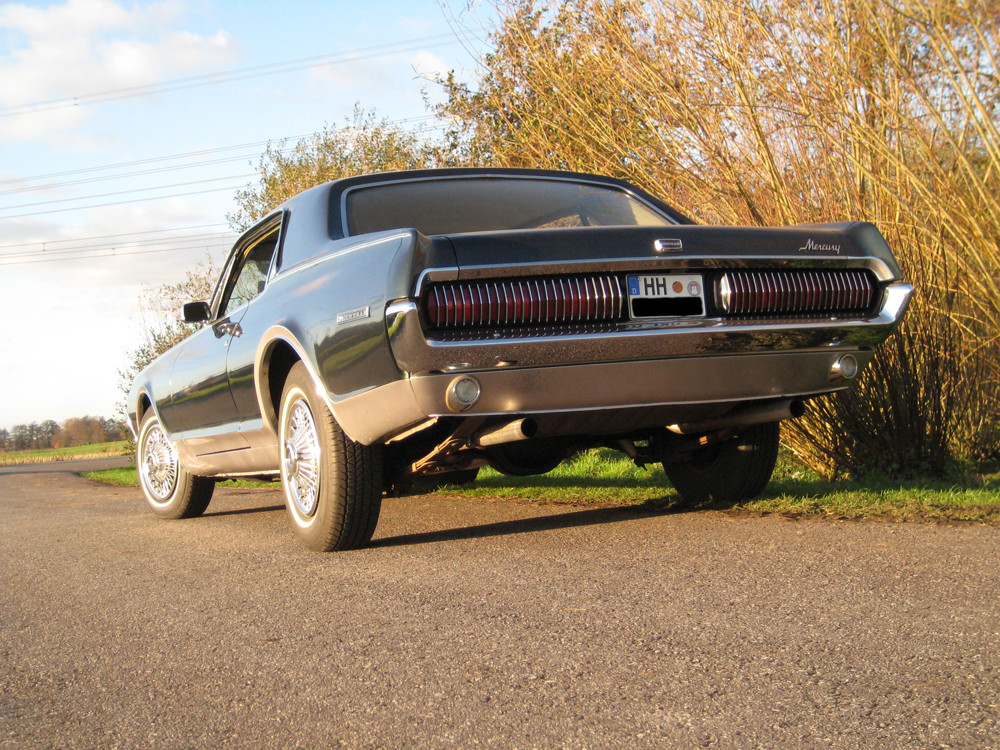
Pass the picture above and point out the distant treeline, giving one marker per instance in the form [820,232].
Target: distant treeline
[51,434]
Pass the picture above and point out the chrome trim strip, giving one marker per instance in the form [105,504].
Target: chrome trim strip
[633,340]
[351,247]
[668,220]
[613,266]
[682,382]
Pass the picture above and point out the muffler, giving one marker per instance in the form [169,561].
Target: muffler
[743,416]
[519,429]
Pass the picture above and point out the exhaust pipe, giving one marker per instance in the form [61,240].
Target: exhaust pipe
[519,429]
[743,416]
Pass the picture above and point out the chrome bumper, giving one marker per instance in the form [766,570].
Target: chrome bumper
[682,364]
[381,413]
[638,340]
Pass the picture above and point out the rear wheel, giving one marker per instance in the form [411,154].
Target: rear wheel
[332,485]
[728,472]
[170,490]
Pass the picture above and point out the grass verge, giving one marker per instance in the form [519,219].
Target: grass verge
[129,477]
[605,477]
[45,455]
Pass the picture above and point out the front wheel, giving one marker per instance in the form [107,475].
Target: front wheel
[170,490]
[728,472]
[332,485]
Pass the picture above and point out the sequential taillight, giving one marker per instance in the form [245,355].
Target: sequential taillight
[788,292]
[525,302]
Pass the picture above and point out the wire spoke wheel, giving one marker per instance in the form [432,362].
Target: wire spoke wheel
[159,464]
[170,490]
[301,456]
[332,485]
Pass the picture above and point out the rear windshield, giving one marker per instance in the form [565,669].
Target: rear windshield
[484,204]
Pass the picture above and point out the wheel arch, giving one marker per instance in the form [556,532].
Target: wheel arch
[279,351]
[278,354]
[143,403]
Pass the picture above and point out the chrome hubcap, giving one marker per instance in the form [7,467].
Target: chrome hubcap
[300,462]
[159,463]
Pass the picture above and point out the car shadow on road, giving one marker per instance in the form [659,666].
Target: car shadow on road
[241,511]
[590,517]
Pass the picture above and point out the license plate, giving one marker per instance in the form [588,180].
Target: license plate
[666,295]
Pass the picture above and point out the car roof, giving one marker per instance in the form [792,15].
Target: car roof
[333,192]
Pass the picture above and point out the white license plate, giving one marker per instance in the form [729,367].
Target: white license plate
[666,295]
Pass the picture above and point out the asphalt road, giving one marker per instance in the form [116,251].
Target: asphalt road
[473,623]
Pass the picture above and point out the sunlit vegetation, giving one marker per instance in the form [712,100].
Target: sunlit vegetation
[49,434]
[783,113]
[763,114]
[44,455]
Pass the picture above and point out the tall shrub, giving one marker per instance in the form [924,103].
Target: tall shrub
[782,113]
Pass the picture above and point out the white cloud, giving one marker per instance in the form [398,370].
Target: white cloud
[85,310]
[429,66]
[84,47]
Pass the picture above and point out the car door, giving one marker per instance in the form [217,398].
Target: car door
[251,319]
[202,410]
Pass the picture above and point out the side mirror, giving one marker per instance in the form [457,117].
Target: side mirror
[196,312]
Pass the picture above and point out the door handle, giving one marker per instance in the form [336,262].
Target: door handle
[228,329]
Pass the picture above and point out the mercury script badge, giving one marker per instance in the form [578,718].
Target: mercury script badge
[818,247]
[668,246]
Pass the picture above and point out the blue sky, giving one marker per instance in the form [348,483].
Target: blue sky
[98,101]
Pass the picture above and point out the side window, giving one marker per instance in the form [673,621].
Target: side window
[249,273]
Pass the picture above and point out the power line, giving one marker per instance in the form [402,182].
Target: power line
[112,254]
[255,71]
[125,244]
[112,236]
[127,192]
[123,203]
[138,173]
[151,160]
[176,157]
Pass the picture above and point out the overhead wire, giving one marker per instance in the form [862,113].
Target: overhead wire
[186,239]
[124,203]
[179,242]
[138,200]
[111,254]
[201,152]
[114,236]
[170,168]
[127,192]
[238,74]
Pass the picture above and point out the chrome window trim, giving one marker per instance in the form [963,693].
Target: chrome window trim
[258,231]
[494,176]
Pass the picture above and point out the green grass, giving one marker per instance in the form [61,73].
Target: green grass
[603,476]
[44,455]
[130,477]
[606,477]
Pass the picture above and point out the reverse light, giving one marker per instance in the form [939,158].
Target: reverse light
[462,393]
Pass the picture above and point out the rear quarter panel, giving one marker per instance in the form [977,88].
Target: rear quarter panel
[331,309]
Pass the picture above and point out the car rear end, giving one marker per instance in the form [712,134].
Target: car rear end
[610,329]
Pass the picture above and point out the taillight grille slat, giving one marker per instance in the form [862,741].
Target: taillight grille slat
[790,292]
[548,301]
[601,298]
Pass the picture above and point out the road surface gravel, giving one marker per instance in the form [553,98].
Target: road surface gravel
[473,623]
